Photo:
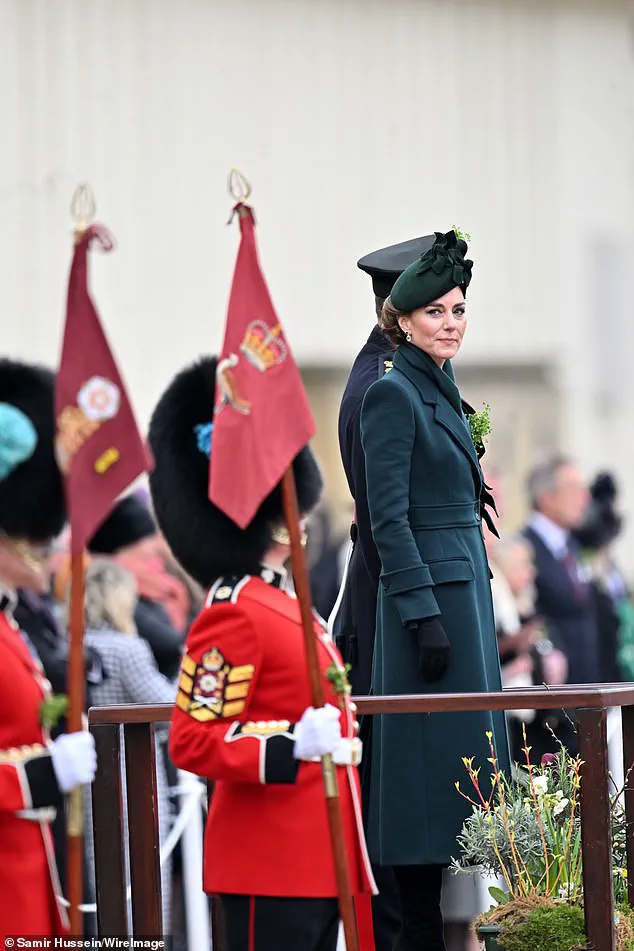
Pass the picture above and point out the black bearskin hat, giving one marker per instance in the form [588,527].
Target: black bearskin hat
[32,502]
[203,539]
[602,523]
[130,521]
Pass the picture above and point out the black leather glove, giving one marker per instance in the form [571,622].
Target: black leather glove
[434,648]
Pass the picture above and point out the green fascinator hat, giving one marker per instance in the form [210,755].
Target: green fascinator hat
[434,274]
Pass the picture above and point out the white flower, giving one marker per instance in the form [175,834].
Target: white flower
[540,785]
[208,683]
[99,399]
[559,794]
[561,805]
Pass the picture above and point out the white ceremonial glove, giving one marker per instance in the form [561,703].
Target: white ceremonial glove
[74,759]
[318,732]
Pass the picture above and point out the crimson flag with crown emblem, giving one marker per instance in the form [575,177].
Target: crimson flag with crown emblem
[99,448]
[262,417]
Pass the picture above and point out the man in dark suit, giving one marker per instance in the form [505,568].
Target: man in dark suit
[564,597]
[353,620]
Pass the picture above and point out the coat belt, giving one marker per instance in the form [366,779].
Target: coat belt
[458,515]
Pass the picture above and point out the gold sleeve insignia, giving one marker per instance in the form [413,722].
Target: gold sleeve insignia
[213,689]
[21,754]
[264,728]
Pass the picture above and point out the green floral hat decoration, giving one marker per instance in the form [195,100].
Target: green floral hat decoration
[437,272]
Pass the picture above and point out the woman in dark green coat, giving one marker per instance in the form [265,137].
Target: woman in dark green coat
[435,629]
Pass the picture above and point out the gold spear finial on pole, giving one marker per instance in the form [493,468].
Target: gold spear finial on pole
[239,187]
[83,207]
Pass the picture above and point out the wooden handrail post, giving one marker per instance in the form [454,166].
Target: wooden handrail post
[112,917]
[596,830]
[143,830]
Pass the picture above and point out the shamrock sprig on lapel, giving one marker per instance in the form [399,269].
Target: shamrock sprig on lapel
[338,677]
[52,709]
[480,426]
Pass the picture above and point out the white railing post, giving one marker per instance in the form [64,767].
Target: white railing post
[615,748]
[196,902]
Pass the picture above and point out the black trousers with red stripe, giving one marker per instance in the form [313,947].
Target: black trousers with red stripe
[280,924]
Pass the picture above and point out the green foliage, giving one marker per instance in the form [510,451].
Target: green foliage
[624,927]
[461,234]
[619,857]
[556,928]
[547,924]
[502,898]
[52,709]
[338,677]
[480,425]
[484,842]
[526,830]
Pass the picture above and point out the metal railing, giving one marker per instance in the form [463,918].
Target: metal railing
[589,703]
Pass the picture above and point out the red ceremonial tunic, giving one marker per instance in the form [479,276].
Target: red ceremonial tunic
[243,687]
[28,876]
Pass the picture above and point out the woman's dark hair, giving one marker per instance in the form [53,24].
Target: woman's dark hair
[389,323]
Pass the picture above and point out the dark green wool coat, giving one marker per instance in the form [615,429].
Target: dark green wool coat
[423,481]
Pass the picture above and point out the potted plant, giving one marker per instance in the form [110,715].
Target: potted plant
[526,831]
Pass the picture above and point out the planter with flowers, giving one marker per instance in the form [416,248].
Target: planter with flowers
[526,831]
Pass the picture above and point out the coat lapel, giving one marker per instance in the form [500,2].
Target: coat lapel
[444,413]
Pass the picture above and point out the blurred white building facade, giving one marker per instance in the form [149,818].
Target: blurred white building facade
[359,123]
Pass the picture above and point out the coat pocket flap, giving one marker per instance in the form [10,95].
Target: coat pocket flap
[406,579]
[454,569]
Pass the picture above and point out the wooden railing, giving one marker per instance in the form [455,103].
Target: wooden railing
[589,703]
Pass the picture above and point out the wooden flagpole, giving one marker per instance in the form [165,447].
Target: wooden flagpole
[76,692]
[82,210]
[335,820]
[240,191]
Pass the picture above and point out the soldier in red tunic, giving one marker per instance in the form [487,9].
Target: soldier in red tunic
[243,717]
[34,772]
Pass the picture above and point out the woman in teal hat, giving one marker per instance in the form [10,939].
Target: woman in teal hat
[435,629]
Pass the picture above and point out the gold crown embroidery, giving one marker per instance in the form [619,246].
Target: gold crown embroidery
[263,347]
[213,659]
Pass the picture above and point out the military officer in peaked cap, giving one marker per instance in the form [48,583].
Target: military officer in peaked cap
[34,771]
[242,716]
[353,619]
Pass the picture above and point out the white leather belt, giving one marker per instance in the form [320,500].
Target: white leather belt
[44,814]
[347,753]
